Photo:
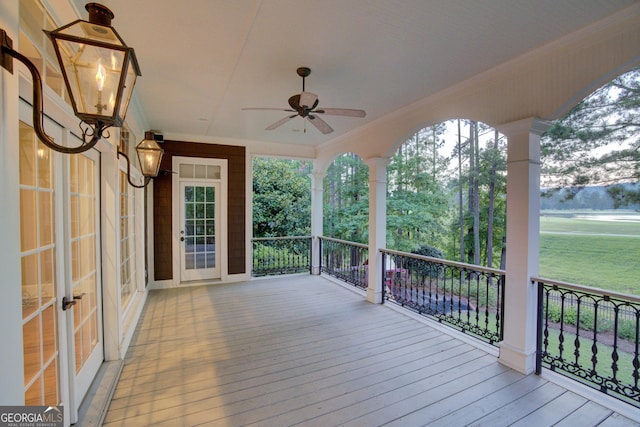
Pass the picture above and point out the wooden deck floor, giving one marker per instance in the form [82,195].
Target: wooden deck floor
[303,350]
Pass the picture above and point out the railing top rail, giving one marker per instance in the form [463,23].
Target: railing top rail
[447,262]
[257,239]
[346,242]
[588,289]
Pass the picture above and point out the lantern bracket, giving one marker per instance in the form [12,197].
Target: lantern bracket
[90,135]
[147,179]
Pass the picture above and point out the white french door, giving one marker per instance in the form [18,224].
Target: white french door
[200,205]
[83,284]
[61,275]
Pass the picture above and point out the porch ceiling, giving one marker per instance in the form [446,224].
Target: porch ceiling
[203,60]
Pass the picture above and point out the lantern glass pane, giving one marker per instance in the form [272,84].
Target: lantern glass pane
[127,90]
[150,156]
[93,76]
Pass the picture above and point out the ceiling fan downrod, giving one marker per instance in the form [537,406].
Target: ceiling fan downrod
[304,73]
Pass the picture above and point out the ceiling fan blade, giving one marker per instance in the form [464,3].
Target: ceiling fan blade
[341,112]
[320,124]
[266,108]
[280,122]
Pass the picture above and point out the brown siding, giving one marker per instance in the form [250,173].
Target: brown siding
[236,201]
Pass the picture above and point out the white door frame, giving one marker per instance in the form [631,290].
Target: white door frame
[79,384]
[198,273]
[175,213]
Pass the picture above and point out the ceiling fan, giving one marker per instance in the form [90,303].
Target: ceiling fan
[305,105]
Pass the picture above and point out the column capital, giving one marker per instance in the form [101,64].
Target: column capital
[378,168]
[317,175]
[317,180]
[377,162]
[532,125]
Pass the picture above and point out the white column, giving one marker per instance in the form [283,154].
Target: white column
[317,179]
[11,361]
[377,224]
[517,350]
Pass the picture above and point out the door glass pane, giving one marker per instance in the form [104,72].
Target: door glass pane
[30,285]
[186,171]
[201,171]
[32,345]
[83,256]
[213,172]
[127,240]
[27,156]
[33,395]
[37,237]
[46,215]
[199,234]
[51,382]
[28,219]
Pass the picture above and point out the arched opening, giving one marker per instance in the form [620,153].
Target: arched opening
[447,191]
[588,290]
[346,199]
[590,187]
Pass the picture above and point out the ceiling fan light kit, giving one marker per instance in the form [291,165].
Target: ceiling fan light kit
[308,100]
[305,105]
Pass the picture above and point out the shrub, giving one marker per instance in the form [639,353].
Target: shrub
[627,329]
[586,321]
[424,268]
[553,312]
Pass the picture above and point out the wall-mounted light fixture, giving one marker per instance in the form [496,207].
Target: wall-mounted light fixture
[99,71]
[149,156]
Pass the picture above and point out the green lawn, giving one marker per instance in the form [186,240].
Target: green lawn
[603,254]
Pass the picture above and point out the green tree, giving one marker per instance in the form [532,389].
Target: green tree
[493,199]
[281,198]
[416,200]
[346,199]
[598,142]
[478,193]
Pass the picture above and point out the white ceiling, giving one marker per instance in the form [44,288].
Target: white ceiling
[203,60]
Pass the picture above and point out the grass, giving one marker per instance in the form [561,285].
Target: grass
[597,253]
[582,225]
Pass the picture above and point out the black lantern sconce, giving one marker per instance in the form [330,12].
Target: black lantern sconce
[99,71]
[149,156]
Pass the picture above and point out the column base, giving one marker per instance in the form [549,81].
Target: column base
[523,362]
[374,296]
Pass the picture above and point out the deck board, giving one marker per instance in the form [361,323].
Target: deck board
[554,411]
[588,413]
[442,404]
[303,350]
[472,410]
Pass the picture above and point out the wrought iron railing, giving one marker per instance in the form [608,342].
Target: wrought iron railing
[466,297]
[590,335]
[281,255]
[344,260]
